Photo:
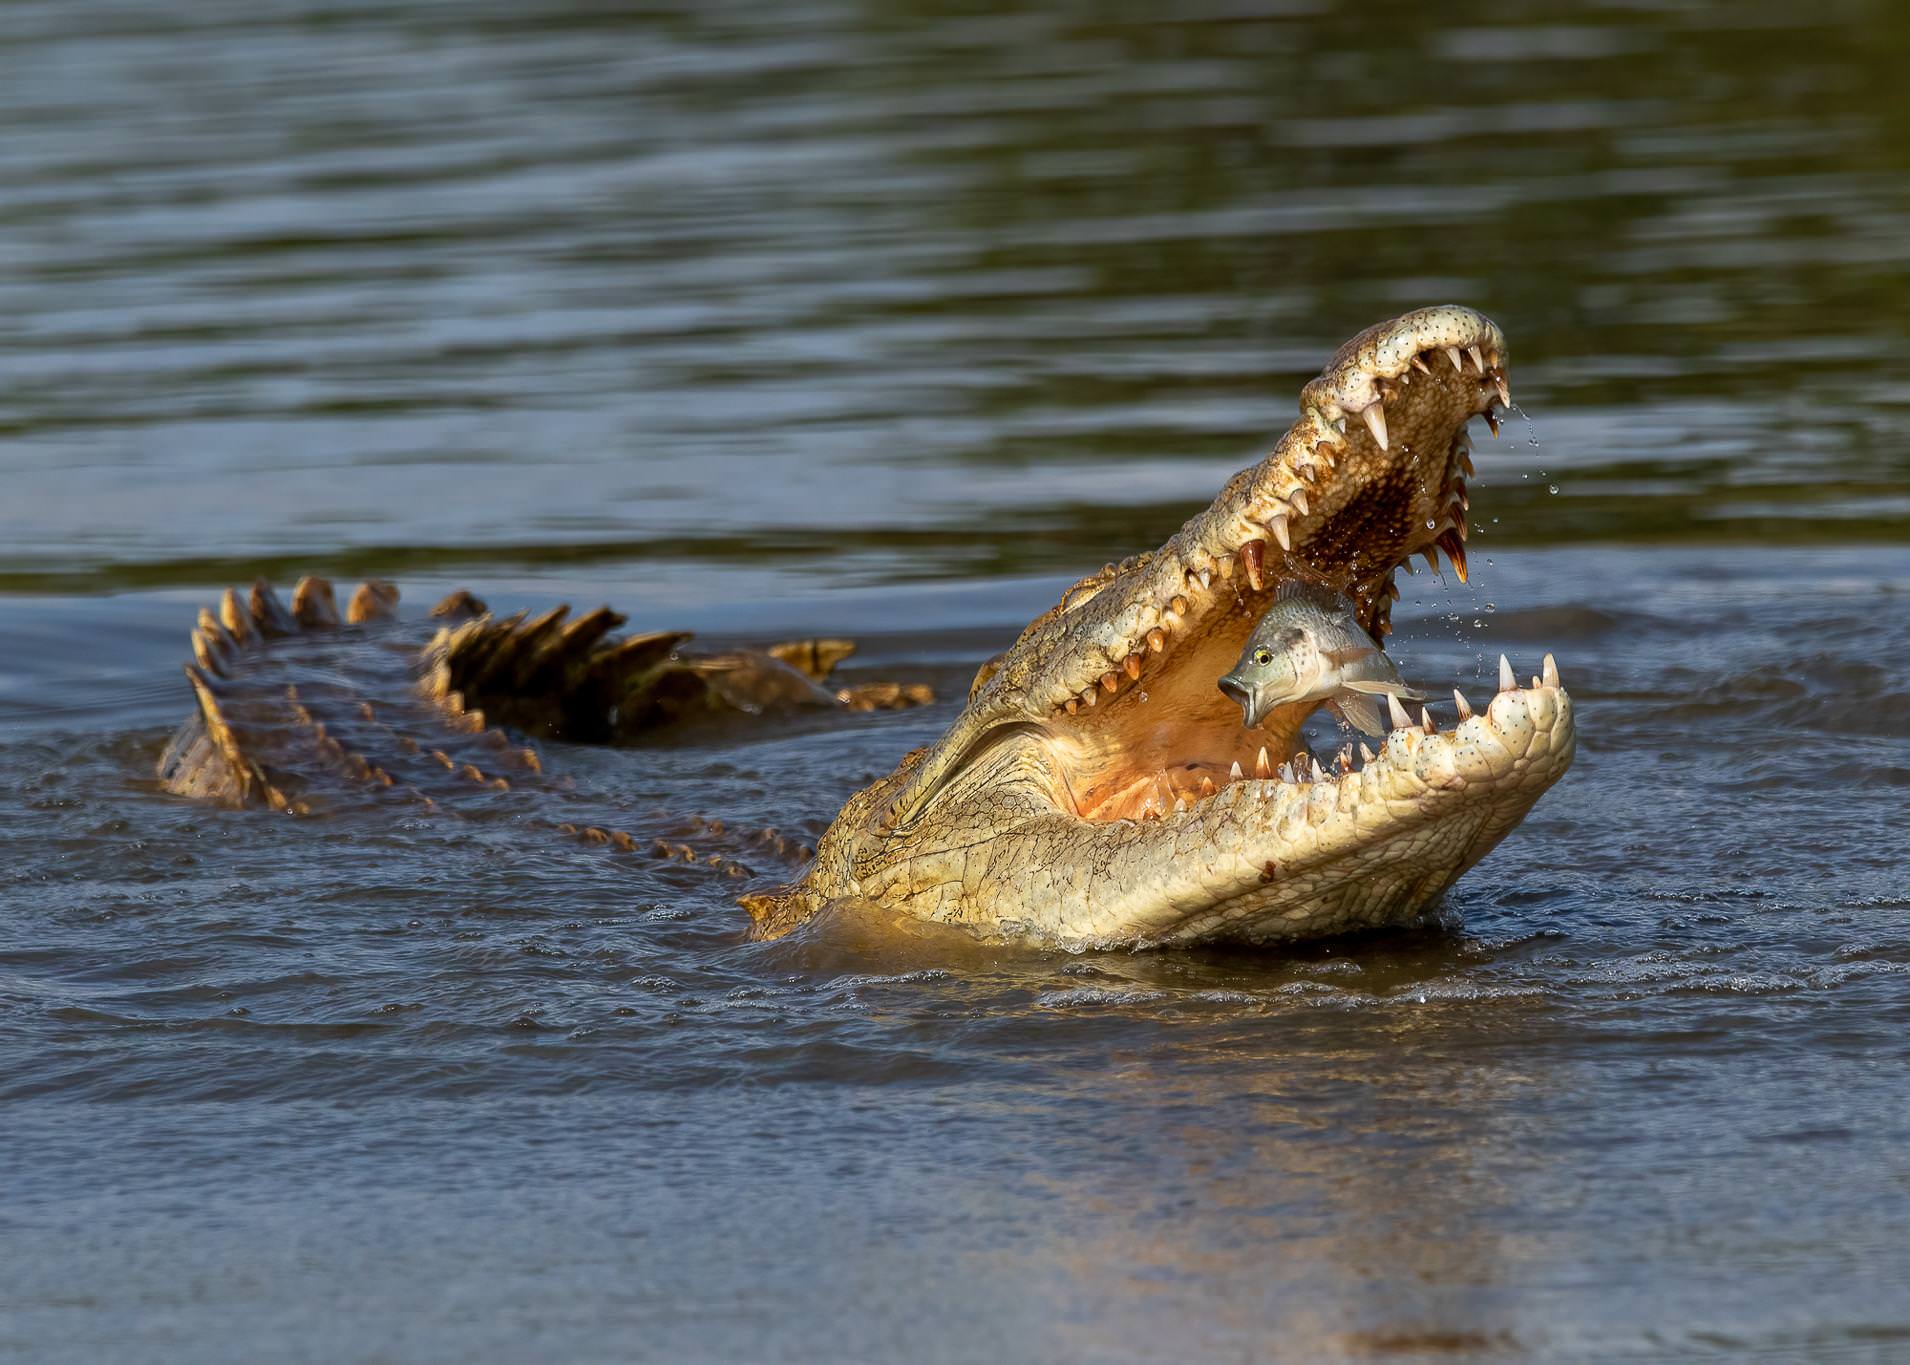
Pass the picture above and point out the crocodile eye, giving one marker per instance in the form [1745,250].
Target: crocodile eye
[1263,655]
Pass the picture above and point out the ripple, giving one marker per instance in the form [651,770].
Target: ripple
[795,319]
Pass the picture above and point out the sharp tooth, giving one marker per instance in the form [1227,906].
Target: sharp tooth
[1535,682]
[1344,759]
[1366,753]
[1408,565]
[1277,524]
[1206,577]
[1226,567]
[1375,415]
[1420,365]
[1314,770]
[1397,713]
[1465,707]
[1477,358]
[1432,560]
[1460,496]
[1178,606]
[1149,813]
[1180,805]
[1074,705]
[1507,683]
[1090,696]
[1453,353]
[1262,768]
[1286,773]
[1207,787]
[1339,425]
[1157,639]
[1300,502]
[1133,665]
[1392,591]
[1253,557]
[1426,720]
[1551,672]
[1455,551]
[1110,680]
[1505,393]
[1492,422]
[1234,774]
[1465,463]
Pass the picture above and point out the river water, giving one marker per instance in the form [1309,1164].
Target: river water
[888,321]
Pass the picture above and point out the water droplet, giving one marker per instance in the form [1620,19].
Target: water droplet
[1432,525]
[1491,606]
[1552,488]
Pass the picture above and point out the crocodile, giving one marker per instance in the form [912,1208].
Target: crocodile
[1097,789]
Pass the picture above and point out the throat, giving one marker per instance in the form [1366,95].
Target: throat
[1145,765]
[1170,740]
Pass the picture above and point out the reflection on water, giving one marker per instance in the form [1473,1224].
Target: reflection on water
[741,315]
[392,285]
[508,1095]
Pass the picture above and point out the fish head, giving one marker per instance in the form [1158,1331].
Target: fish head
[1274,667]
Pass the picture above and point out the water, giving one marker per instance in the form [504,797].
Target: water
[814,316]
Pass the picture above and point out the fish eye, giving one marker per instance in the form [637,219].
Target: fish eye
[1263,655]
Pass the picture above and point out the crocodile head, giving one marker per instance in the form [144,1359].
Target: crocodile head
[1099,789]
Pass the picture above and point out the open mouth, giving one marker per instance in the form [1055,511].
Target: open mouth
[1371,476]
[1100,789]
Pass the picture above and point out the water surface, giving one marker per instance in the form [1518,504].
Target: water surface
[889,321]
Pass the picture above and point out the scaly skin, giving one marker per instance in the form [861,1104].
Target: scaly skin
[1088,795]
[1098,789]
[305,713]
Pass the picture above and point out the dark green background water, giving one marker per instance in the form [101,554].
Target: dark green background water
[889,320]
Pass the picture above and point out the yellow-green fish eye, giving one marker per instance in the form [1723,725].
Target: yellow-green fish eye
[1263,656]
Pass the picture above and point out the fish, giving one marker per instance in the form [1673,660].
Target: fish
[1310,645]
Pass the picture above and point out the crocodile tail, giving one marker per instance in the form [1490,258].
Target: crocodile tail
[276,725]
[209,761]
[215,755]
[559,678]
[814,659]
[305,707]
